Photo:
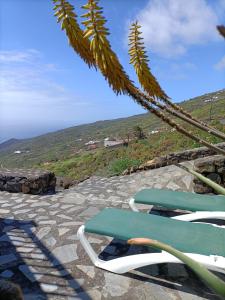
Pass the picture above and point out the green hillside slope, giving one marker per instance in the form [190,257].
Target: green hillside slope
[60,149]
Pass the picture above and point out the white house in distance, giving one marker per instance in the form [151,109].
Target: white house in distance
[17,152]
[112,142]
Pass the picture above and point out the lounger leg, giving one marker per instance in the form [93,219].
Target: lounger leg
[132,205]
[128,263]
[201,215]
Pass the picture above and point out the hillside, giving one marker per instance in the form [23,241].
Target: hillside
[58,148]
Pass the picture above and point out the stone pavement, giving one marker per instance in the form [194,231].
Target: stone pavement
[39,249]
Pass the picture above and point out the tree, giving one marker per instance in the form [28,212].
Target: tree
[94,48]
[138,133]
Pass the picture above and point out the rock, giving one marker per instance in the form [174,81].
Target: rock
[215,177]
[65,254]
[27,181]
[204,165]
[202,189]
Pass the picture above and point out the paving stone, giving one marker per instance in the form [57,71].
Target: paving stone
[9,220]
[73,237]
[22,211]
[8,228]
[63,231]
[4,211]
[73,209]
[62,273]
[91,294]
[7,274]
[64,217]
[48,288]
[24,249]
[115,285]
[42,218]
[20,205]
[40,203]
[19,200]
[173,186]
[53,213]
[65,254]
[49,222]
[30,272]
[91,211]
[71,224]
[41,210]
[50,242]
[88,270]
[66,206]
[8,258]
[7,205]
[4,238]
[31,216]
[94,240]
[55,205]
[38,256]
[43,232]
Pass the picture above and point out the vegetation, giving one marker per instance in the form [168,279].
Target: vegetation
[64,151]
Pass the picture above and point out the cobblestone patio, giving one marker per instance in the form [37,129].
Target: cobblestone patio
[39,249]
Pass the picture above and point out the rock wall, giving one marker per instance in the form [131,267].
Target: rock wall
[27,181]
[212,167]
[176,157]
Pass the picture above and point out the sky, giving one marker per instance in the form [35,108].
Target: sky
[45,86]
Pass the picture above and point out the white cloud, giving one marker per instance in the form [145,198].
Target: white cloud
[29,92]
[19,56]
[171,26]
[221,64]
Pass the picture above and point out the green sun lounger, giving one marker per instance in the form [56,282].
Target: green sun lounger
[203,206]
[203,242]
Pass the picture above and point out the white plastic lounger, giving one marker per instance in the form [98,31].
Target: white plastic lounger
[201,206]
[202,242]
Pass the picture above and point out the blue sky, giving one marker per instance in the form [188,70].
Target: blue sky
[45,86]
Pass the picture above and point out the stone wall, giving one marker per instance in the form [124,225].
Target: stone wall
[175,157]
[212,167]
[27,181]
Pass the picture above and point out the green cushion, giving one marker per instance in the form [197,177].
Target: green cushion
[184,236]
[180,200]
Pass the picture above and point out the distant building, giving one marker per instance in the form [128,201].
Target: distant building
[91,145]
[17,152]
[154,131]
[112,142]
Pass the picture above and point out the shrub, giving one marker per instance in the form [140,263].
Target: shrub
[118,166]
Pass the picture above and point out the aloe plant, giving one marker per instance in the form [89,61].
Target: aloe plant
[94,48]
[218,188]
[213,282]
